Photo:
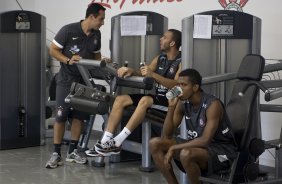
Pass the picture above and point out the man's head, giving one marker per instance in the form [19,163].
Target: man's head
[170,39]
[190,81]
[96,14]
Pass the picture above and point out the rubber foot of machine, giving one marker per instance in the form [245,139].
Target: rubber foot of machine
[94,163]
[146,169]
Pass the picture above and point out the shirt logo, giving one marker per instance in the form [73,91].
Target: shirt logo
[192,134]
[95,41]
[74,38]
[225,130]
[171,70]
[201,123]
[74,49]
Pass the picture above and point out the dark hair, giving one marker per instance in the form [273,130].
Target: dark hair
[193,75]
[94,8]
[176,37]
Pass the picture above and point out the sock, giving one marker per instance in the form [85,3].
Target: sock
[57,148]
[73,145]
[107,136]
[122,136]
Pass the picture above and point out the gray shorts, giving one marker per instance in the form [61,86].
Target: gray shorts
[64,110]
[221,156]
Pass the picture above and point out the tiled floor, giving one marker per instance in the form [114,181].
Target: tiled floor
[27,166]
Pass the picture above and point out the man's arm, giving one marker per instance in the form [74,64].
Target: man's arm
[214,115]
[56,52]
[173,118]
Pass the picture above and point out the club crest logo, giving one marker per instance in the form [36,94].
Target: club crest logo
[236,5]
[202,123]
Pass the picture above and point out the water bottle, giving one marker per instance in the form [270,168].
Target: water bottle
[174,92]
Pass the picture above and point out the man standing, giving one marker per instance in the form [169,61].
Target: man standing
[73,42]
[210,144]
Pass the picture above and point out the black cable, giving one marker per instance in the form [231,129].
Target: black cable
[50,30]
[19,5]
[265,76]
[49,40]
[273,75]
[278,75]
[271,153]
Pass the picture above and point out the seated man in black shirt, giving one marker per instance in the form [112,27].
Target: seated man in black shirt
[164,68]
[210,142]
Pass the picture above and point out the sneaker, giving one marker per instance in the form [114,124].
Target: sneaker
[98,145]
[92,153]
[54,161]
[108,148]
[76,157]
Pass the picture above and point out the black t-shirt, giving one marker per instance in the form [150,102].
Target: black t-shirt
[73,41]
[168,69]
[196,121]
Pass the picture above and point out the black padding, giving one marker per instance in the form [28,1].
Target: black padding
[256,147]
[90,100]
[157,116]
[89,106]
[97,73]
[146,83]
[48,112]
[90,93]
[251,171]
[240,108]
[251,68]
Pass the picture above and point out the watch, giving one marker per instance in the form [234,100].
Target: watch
[68,61]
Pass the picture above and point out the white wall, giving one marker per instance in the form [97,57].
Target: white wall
[60,12]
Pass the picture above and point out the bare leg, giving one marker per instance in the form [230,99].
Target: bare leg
[193,160]
[59,130]
[76,127]
[158,149]
[117,110]
[139,113]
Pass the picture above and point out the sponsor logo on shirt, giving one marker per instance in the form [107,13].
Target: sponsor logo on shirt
[192,134]
[74,49]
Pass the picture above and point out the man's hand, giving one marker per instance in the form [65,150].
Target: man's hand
[107,60]
[168,158]
[74,59]
[146,71]
[173,102]
[125,72]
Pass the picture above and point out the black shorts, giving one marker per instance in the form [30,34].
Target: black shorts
[158,100]
[64,111]
[221,157]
